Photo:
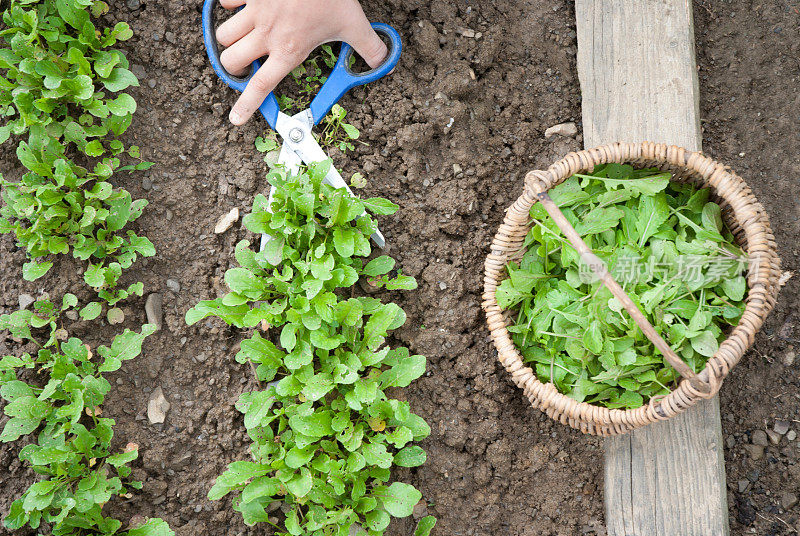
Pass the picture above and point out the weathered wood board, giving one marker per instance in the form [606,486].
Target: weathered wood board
[636,65]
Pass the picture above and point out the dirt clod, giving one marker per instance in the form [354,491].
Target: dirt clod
[157,406]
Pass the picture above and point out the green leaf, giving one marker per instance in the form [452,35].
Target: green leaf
[593,338]
[379,206]
[152,527]
[301,483]
[32,270]
[260,404]
[404,372]
[734,287]
[425,526]
[598,220]
[705,344]
[379,266]
[296,457]
[125,346]
[343,241]
[120,79]
[376,454]
[13,389]
[122,105]
[237,474]
[653,211]
[400,499]
[410,456]
[91,311]
[314,425]
[17,427]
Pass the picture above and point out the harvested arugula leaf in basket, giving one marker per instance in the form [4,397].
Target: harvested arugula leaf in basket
[665,243]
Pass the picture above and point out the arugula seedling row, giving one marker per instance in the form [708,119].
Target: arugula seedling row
[325,432]
[71,452]
[62,95]
[665,243]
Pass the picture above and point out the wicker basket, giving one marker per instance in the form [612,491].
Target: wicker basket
[743,215]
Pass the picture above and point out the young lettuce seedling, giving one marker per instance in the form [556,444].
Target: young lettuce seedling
[325,433]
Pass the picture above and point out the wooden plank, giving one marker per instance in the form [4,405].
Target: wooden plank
[636,65]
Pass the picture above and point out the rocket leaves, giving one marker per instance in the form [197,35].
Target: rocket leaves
[325,433]
[72,448]
[61,94]
[665,243]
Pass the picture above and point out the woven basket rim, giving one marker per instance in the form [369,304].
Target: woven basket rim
[747,220]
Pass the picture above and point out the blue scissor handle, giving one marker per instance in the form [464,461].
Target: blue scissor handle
[342,78]
[269,108]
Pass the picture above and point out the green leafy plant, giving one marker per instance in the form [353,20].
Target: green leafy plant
[307,79]
[325,433]
[62,87]
[71,453]
[665,243]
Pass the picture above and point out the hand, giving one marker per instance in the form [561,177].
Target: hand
[287,31]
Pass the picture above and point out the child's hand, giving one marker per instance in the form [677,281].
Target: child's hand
[287,31]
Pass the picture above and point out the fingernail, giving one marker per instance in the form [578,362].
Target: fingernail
[235,118]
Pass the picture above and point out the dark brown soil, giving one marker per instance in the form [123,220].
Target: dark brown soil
[449,137]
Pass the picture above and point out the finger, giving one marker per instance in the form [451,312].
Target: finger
[266,78]
[232,4]
[367,43]
[234,29]
[237,58]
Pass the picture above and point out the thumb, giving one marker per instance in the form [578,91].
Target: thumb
[367,43]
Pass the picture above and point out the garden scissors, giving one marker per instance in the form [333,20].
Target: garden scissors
[299,146]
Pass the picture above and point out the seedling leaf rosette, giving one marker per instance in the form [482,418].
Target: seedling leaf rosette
[325,431]
[569,339]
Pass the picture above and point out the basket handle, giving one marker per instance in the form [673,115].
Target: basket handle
[599,268]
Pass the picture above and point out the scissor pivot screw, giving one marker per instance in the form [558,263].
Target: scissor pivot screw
[296,135]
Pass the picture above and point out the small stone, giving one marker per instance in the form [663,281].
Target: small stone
[153,307]
[562,129]
[133,5]
[72,315]
[774,437]
[225,222]
[788,358]
[201,357]
[147,184]
[173,285]
[25,300]
[442,285]
[730,441]
[756,452]
[788,500]
[781,427]
[151,83]
[170,37]
[274,505]
[743,485]
[791,435]
[457,169]
[157,406]
[759,437]
[420,510]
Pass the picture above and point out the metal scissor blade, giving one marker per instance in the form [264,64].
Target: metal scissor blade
[291,162]
[296,133]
